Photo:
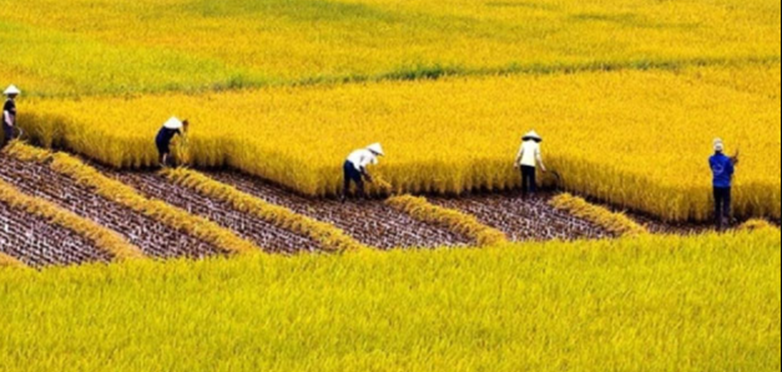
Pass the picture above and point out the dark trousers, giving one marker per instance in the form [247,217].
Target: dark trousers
[529,183]
[722,201]
[163,148]
[353,175]
[8,135]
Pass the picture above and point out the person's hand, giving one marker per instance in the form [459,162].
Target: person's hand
[543,169]
[515,165]
[369,178]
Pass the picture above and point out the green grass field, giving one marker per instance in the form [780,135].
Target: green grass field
[122,46]
[656,304]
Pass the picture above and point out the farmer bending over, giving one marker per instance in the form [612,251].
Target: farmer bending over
[528,158]
[170,129]
[356,168]
[9,115]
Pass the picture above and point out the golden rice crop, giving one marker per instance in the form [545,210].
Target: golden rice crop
[99,46]
[639,140]
[616,223]
[685,304]
[7,261]
[456,221]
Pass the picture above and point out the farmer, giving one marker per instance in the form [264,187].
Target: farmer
[356,168]
[9,114]
[170,129]
[528,158]
[723,168]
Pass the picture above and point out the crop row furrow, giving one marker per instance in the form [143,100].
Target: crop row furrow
[36,242]
[454,220]
[172,231]
[617,223]
[326,235]
[106,240]
[524,219]
[372,223]
[264,234]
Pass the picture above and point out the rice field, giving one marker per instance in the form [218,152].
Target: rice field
[246,260]
[709,303]
[116,47]
[636,139]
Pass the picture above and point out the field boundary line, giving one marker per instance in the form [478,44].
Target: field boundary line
[440,71]
[456,221]
[7,261]
[329,236]
[104,239]
[120,193]
[616,223]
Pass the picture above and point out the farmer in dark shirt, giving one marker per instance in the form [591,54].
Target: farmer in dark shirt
[723,168]
[9,114]
[166,134]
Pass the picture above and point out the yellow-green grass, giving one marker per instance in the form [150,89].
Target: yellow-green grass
[81,47]
[639,140]
[707,303]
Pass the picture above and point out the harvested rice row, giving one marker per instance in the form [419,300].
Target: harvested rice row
[120,193]
[104,239]
[456,221]
[617,223]
[8,261]
[330,237]
[757,224]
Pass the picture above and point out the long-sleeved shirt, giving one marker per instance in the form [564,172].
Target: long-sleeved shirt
[165,135]
[722,167]
[529,154]
[362,158]
[9,113]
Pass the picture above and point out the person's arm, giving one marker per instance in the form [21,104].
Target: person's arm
[540,160]
[517,162]
[731,169]
[363,168]
[7,119]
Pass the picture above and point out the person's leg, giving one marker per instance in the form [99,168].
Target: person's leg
[718,195]
[726,206]
[8,134]
[533,180]
[348,178]
[360,187]
[526,181]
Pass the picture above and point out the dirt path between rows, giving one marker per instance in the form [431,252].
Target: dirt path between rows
[271,238]
[371,222]
[153,237]
[37,243]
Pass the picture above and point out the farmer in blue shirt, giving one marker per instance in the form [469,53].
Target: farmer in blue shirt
[723,168]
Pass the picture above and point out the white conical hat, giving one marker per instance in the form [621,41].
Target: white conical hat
[173,123]
[719,145]
[532,135]
[376,148]
[12,89]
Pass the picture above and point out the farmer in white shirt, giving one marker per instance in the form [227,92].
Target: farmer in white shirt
[528,158]
[9,114]
[356,168]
